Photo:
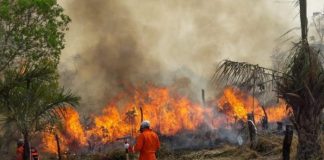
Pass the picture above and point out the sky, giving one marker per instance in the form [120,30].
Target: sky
[315,5]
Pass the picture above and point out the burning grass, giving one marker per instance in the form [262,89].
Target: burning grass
[170,114]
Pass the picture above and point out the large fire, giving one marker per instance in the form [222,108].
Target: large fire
[168,112]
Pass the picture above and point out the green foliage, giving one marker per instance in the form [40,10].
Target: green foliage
[31,31]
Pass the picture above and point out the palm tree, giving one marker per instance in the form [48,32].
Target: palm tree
[33,101]
[31,40]
[301,85]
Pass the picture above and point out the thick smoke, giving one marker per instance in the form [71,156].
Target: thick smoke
[106,53]
[114,44]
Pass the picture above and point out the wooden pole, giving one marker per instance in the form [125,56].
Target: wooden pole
[203,97]
[127,156]
[252,131]
[141,109]
[279,126]
[264,119]
[287,142]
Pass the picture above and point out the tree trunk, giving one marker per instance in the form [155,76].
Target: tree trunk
[308,128]
[287,142]
[252,131]
[303,18]
[58,146]
[26,147]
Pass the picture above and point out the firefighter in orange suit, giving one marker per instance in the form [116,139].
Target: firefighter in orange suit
[20,150]
[147,143]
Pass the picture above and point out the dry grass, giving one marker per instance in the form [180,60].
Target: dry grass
[269,148]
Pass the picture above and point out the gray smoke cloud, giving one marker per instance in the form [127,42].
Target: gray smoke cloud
[113,44]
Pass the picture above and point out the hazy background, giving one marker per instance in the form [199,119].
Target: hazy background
[114,44]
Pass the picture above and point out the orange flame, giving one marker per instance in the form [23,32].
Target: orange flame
[73,133]
[168,113]
[73,126]
[278,112]
[237,104]
[49,143]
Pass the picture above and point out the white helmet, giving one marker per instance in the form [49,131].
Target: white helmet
[145,124]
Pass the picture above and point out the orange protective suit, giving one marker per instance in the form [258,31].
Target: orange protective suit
[20,153]
[147,143]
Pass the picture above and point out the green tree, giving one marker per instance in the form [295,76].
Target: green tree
[30,31]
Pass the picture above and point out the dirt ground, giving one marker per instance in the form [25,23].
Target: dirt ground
[268,148]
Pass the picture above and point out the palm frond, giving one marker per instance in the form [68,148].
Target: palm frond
[36,101]
[13,77]
[51,109]
[305,66]
[245,75]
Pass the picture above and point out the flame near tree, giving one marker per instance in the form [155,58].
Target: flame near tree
[237,104]
[169,114]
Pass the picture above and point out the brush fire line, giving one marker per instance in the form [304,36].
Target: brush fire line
[169,113]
